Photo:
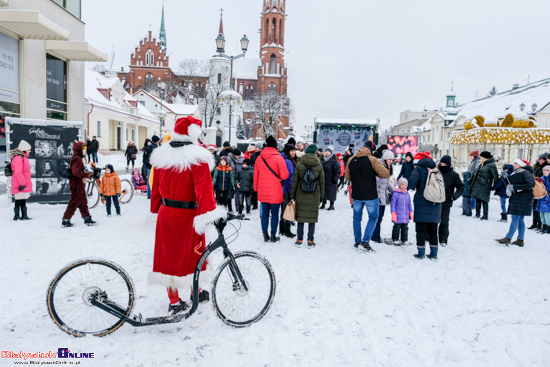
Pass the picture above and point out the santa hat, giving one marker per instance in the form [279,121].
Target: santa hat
[187,129]
[212,146]
[251,148]
[522,162]
[339,155]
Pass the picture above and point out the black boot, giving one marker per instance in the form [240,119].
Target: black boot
[331,207]
[66,223]
[16,212]
[547,230]
[24,215]
[274,238]
[323,205]
[503,218]
[266,237]
[288,233]
[485,216]
[89,222]
[542,230]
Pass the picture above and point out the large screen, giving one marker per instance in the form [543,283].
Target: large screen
[402,144]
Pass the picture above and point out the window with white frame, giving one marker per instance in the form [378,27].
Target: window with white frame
[98,129]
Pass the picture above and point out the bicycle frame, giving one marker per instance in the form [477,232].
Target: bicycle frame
[137,320]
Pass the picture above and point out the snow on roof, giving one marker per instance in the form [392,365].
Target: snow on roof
[246,69]
[426,126]
[183,109]
[503,103]
[323,120]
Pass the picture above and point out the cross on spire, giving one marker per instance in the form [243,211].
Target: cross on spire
[220,31]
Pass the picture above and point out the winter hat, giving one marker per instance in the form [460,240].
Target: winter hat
[522,162]
[370,144]
[248,162]
[311,148]
[236,152]
[387,154]
[409,154]
[288,148]
[546,168]
[251,148]
[447,160]
[486,154]
[329,149]
[543,156]
[155,139]
[402,180]
[292,141]
[224,153]
[338,155]
[419,156]
[226,144]
[110,166]
[212,146]
[260,145]
[474,153]
[271,142]
[23,145]
[187,129]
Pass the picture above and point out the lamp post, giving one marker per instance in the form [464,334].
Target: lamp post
[162,88]
[522,106]
[534,107]
[220,48]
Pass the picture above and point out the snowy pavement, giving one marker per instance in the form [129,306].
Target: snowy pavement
[480,304]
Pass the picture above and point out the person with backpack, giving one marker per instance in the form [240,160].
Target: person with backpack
[21,183]
[454,187]
[308,183]
[269,174]
[385,187]
[500,190]
[427,214]
[361,171]
[520,189]
[482,183]
[147,151]
[543,205]
[332,176]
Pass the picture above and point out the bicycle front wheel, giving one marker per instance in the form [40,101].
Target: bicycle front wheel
[127,191]
[92,194]
[70,291]
[235,305]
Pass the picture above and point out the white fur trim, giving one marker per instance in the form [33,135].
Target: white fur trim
[193,134]
[201,221]
[182,284]
[181,158]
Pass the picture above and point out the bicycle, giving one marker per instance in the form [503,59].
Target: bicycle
[92,188]
[96,296]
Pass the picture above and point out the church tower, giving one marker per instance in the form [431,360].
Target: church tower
[162,34]
[272,74]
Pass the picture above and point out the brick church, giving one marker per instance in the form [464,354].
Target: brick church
[150,64]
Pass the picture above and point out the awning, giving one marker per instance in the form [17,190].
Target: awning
[74,51]
[30,24]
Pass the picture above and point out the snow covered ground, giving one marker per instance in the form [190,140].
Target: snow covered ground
[480,304]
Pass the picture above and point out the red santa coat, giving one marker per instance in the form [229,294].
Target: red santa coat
[183,174]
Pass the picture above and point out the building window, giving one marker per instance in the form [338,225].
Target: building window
[72,6]
[219,78]
[142,102]
[218,111]
[272,89]
[272,64]
[56,88]
[98,133]
[150,58]
[149,82]
[249,92]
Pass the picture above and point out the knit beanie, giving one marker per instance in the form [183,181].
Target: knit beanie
[474,153]
[543,156]
[311,148]
[387,154]
[109,166]
[271,142]
[329,149]
[370,144]
[338,155]
[292,141]
[251,148]
[486,154]
[224,153]
[23,146]
[409,154]
[226,144]
[260,145]
[402,180]
[288,148]
[447,160]
[236,152]
[546,168]
[155,139]
[248,162]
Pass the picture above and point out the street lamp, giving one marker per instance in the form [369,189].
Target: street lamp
[220,48]
[522,106]
[534,107]
[162,88]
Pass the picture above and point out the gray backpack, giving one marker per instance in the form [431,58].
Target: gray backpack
[435,187]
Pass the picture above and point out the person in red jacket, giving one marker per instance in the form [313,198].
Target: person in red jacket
[77,185]
[21,184]
[183,196]
[269,174]
[342,170]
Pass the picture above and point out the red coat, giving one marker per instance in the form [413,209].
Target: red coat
[268,186]
[21,174]
[182,174]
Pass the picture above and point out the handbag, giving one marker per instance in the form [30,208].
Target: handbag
[290,211]
[134,156]
[276,175]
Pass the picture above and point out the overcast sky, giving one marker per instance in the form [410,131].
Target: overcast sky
[353,58]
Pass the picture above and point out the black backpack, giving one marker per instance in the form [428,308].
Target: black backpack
[8,172]
[309,181]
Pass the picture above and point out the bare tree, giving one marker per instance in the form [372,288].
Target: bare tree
[270,109]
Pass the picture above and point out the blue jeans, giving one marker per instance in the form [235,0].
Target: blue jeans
[472,202]
[274,210]
[518,223]
[108,204]
[503,204]
[94,156]
[148,187]
[372,210]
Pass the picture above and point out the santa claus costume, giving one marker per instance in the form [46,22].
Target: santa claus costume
[183,196]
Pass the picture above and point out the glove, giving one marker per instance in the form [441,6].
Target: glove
[394,217]
[89,174]
[509,190]
[411,215]
[101,195]
[118,195]
[22,187]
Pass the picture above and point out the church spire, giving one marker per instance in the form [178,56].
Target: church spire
[220,31]
[162,35]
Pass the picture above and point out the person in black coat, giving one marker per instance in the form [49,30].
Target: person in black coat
[454,187]
[500,190]
[214,150]
[245,184]
[537,172]
[482,182]
[332,176]
[520,188]
[427,215]
[407,167]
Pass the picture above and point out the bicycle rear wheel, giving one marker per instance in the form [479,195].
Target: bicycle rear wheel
[127,191]
[70,291]
[92,194]
[232,303]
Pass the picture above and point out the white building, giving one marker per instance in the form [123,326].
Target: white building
[114,116]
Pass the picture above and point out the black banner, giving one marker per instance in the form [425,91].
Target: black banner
[52,148]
